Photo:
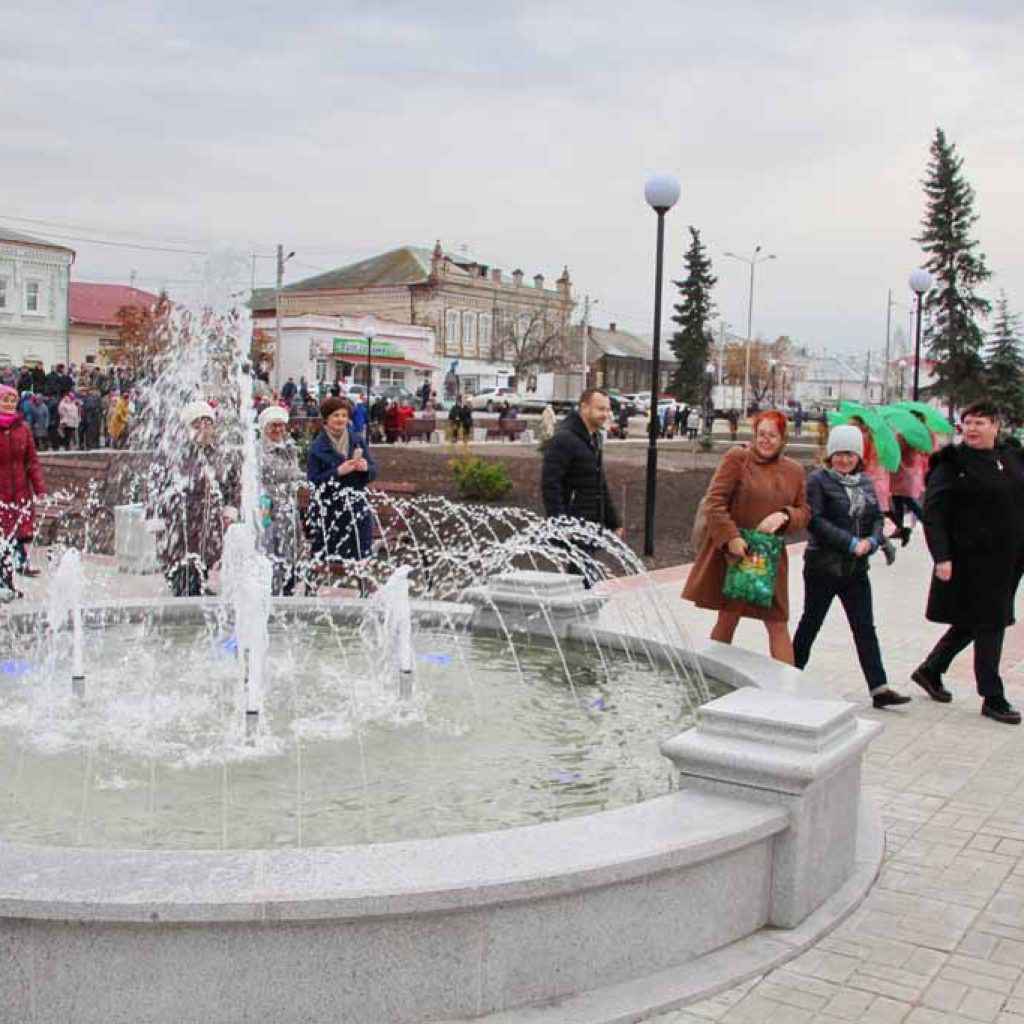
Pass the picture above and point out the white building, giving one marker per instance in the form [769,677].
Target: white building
[333,348]
[34,277]
[828,380]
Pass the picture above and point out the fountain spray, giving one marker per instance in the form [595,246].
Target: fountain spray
[65,599]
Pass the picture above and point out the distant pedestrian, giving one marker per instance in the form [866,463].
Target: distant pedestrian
[21,483]
[623,421]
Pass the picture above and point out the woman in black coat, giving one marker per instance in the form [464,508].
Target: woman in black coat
[845,531]
[339,467]
[975,533]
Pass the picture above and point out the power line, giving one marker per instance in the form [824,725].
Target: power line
[126,245]
[93,229]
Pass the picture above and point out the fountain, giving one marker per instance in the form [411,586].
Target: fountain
[481,788]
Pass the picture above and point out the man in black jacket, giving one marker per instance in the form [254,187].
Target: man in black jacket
[573,481]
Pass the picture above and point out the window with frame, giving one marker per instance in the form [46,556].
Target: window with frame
[469,333]
[451,325]
[389,375]
[3,292]
[32,297]
[484,332]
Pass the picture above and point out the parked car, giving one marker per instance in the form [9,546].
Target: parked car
[641,401]
[397,391]
[490,399]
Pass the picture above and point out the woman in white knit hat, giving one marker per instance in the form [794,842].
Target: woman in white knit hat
[195,494]
[845,531]
[281,477]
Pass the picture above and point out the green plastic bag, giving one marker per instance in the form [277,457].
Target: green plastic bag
[752,578]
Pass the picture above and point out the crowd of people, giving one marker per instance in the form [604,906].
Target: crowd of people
[967,495]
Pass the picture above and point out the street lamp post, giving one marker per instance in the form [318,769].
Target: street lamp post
[661,193]
[753,261]
[709,405]
[771,363]
[369,329]
[903,370]
[920,283]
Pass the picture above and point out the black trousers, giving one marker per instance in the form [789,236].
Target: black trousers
[901,504]
[988,649]
[854,593]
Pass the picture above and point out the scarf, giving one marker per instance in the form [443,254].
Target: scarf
[854,492]
[7,418]
[340,444]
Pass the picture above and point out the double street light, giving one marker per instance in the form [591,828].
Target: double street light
[753,262]
[661,193]
[920,284]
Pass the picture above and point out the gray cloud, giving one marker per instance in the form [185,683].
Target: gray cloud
[525,131]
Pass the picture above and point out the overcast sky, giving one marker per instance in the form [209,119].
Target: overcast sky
[523,131]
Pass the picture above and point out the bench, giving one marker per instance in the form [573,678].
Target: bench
[507,430]
[419,426]
[77,508]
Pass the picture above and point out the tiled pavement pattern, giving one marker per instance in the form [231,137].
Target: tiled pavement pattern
[940,938]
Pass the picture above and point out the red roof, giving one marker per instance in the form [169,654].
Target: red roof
[99,303]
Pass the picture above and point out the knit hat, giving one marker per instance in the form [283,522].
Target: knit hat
[845,438]
[197,410]
[272,414]
[332,404]
[6,390]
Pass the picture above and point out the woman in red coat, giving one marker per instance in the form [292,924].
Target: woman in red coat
[21,480]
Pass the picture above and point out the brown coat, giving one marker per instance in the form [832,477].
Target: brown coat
[742,492]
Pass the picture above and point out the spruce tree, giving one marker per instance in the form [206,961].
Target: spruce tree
[692,342]
[952,333]
[1004,367]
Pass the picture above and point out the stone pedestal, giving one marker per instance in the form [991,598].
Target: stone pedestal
[803,755]
[134,545]
[544,603]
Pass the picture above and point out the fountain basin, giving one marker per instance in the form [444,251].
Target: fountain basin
[642,907]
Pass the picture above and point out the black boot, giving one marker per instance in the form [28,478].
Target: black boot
[931,684]
[888,698]
[1000,710]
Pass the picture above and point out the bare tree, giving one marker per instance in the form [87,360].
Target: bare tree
[532,341]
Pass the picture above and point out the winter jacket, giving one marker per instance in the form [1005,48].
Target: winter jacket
[572,480]
[834,533]
[21,479]
[745,489]
[192,495]
[972,518]
[339,519]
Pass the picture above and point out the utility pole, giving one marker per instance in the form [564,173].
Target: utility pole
[867,378]
[131,278]
[281,261]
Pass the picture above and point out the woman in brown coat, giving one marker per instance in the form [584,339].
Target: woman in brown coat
[753,488]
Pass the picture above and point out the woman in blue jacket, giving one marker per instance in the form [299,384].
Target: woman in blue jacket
[845,531]
[340,467]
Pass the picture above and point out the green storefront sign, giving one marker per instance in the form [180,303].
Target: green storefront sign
[357,347]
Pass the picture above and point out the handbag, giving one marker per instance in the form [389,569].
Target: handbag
[752,578]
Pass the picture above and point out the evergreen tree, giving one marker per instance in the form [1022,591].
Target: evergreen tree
[952,333]
[692,342]
[1004,368]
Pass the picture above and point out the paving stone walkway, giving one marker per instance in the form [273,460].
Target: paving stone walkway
[940,938]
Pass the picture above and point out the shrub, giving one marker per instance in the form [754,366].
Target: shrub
[479,480]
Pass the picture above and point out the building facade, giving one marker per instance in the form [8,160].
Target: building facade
[826,381]
[34,278]
[93,320]
[619,360]
[487,327]
[334,349]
